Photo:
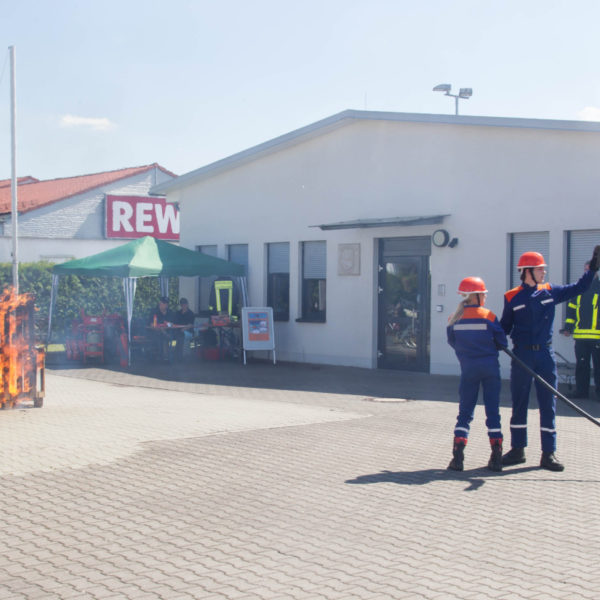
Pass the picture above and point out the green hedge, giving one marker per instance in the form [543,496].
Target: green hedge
[97,295]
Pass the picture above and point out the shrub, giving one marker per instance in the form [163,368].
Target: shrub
[97,295]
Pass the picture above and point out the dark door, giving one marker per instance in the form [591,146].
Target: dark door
[403,340]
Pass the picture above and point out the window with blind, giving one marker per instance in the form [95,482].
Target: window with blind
[238,253]
[205,283]
[314,281]
[580,245]
[531,241]
[278,280]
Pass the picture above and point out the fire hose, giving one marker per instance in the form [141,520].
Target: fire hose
[547,385]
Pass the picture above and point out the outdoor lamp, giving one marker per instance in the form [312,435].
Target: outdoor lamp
[464,93]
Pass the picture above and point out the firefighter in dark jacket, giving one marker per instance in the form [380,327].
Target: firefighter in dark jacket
[475,334]
[528,317]
[583,324]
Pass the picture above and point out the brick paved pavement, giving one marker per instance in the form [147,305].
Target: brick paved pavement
[281,483]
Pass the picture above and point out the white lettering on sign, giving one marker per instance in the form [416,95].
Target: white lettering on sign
[121,213]
[165,216]
[143,217]
[130,217]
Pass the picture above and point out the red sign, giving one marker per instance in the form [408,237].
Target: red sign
[131,217]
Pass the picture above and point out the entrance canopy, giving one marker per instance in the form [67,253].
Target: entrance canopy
[145,257]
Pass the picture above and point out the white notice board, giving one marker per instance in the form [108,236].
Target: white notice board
[257,329]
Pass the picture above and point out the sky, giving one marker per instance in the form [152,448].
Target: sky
[109,84]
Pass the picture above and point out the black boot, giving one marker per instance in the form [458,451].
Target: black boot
[458,453]
[550,462]
[515,456]
[495,462]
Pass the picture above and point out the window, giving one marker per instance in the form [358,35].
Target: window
[278,281]
[314,280]
[532,241]
[238,253]
[580,245]
[205,283]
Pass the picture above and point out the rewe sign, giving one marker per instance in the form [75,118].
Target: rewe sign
[130,217]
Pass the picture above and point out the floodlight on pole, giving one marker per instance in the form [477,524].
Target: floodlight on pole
[463,93]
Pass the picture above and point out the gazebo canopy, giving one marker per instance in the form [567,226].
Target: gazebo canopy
[148,257]
[145,257]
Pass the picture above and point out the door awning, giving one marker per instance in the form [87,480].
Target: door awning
[388,222]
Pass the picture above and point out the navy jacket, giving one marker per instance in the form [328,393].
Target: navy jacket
[528,314]
[476,334]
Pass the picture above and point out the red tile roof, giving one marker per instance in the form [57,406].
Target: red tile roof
[20,181]
[35,194]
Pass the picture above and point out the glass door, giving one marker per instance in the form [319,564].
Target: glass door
[404,313]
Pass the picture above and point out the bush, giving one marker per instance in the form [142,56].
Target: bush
[97,295]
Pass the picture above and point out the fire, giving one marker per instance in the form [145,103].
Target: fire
[21,361]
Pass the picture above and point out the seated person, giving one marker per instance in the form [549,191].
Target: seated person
[184,318]
[160,321]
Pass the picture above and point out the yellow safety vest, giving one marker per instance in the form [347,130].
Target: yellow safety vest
[219,287]
[584,319]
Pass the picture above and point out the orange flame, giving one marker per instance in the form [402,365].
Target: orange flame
[20,360]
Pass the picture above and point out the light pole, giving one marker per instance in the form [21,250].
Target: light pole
[464,93]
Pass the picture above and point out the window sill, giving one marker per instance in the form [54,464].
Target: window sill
[308,320]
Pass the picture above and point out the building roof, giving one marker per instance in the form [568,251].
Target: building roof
[33,193]
[349,116]
[20,181]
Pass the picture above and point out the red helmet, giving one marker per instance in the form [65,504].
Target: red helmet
[530,260]
[472,285]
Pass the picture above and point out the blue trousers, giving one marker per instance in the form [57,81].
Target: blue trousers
[476,373]
[541,362]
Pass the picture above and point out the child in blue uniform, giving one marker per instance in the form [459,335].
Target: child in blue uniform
[475,334]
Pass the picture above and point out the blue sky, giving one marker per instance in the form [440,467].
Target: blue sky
[108,84]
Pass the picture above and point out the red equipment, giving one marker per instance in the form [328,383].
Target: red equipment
[97,337]
[92,337]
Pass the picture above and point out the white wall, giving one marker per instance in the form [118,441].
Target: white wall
[490,180]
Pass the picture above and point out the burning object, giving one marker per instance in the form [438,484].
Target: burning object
[21,360]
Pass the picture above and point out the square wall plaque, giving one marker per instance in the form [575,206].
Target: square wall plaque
[348,259]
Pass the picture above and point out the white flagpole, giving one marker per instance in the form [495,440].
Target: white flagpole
[13,133]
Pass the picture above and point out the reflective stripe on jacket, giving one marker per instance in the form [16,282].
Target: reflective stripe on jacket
[582,314]
[476,334]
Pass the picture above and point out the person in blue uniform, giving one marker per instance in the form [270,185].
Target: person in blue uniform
[475,334]
[528,317]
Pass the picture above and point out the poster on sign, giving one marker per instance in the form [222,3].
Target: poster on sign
[132,217]
[257,329]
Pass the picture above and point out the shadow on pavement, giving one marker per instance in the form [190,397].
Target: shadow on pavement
[372,384]
[474,477]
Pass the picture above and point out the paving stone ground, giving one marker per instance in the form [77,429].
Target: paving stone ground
[284,482]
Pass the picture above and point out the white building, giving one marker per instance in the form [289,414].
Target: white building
[340,216]
[69,217]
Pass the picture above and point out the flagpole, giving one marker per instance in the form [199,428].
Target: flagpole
[13,135]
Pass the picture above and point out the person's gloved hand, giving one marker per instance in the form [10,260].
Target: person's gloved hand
[595,262]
